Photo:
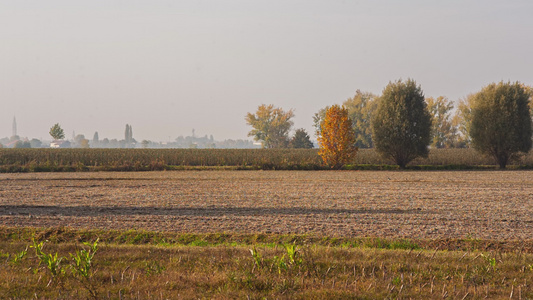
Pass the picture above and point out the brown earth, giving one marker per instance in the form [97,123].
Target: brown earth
[495,205]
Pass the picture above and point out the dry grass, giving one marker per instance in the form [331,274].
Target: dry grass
[223,272]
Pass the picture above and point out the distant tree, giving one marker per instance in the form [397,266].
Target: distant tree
[105,143]
[443,131]
[462,120]
[57,132]
[318,118]
[401,125]
[271,126]
[301,140]
[84,143]
[96,138]
[22,144]
[78,138]
[145,143]
[501,121]
[35,143]
[114,143]
[360,109]
[336,138]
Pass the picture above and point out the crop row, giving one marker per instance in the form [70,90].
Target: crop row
[34,160]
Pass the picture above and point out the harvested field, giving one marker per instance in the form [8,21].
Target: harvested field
[482,204]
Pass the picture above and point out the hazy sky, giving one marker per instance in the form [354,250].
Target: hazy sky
[166,67]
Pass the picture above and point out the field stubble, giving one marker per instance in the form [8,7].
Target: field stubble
[494,205]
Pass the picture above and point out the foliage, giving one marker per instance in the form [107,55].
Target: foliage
[443,131]
[82,266]
[401,125]
[336,138]
[301,140]
[51,261]
[82,260]
[501,122]
[462,120]
[35,143]
[271,126]
[22,144]
[57,132]
[84,143]
[360,110]
[318,118]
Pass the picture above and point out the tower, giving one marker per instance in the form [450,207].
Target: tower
[14,126]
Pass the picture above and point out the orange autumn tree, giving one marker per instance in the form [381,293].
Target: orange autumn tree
[336,138]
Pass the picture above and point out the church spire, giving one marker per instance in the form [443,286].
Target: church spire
[14,126]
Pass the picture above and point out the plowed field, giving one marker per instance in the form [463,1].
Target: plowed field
[482,204]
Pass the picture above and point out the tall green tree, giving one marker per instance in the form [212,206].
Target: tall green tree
[271,126]
[57,132]
[401,125]
[501,121]
[301,140]
[443,131]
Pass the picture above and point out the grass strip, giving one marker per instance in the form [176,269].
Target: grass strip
[58,235]
[147,265]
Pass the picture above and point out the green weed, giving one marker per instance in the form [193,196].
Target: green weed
[52,262]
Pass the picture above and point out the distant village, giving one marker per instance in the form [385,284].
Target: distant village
[81,141]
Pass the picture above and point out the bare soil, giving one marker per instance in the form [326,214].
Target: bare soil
[496,205]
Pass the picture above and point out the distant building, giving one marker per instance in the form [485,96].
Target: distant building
[14,126]
[60,144]
[11,144]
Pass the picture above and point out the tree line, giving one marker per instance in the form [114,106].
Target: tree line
[402,124]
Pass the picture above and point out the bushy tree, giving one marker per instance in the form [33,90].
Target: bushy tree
[301,140]
[501,121]
[57,132]
[462,120]
[336,138]
[443,131]
[35,143]
[22,144]
[84,143]
[360,109]
[401,125]
[271,126]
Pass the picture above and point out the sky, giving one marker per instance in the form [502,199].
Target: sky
[167,67]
